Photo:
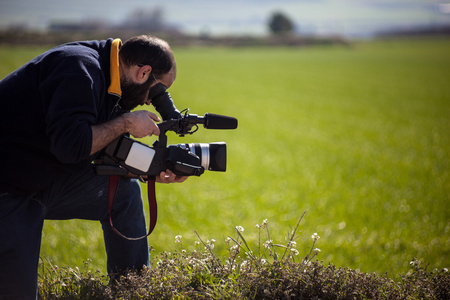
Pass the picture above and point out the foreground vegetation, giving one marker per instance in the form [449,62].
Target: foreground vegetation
[194,276]
[273,271]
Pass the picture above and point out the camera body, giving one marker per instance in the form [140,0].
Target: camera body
[126,155]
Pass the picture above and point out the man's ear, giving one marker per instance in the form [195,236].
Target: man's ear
[143,74]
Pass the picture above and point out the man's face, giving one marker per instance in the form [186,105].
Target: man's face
[134,94]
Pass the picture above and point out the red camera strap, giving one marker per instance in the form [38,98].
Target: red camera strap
[153,209]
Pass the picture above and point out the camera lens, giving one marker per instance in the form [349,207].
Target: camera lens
[213,156]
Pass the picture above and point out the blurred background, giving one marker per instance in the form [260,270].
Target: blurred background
[241,18]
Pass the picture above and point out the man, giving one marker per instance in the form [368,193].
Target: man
[58,112]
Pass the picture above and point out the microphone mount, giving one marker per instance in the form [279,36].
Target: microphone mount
[187,122]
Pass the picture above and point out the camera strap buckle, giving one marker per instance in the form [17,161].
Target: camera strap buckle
[153,209]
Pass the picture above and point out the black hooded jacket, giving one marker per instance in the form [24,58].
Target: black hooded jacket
[47,108]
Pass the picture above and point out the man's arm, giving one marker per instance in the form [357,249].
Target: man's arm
[139,124]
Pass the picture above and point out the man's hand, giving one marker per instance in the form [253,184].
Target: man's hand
[164,177]
[169,177]
[141,123]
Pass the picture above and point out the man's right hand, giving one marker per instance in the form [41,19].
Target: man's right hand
[141,123]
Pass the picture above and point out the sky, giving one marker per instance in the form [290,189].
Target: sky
[242,17]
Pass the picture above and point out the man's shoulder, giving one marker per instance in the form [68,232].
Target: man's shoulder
[82,50]
[87,49]
[103,46]
[85,56]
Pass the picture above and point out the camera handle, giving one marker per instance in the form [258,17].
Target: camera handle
[165,126]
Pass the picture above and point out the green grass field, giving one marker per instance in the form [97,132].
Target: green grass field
[358,137]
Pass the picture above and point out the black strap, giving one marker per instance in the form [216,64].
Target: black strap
[112,188]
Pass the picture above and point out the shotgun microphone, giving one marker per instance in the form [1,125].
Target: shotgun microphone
[212,121]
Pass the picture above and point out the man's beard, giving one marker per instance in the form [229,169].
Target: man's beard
[133,94]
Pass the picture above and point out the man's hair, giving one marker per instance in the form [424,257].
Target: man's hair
[148,50]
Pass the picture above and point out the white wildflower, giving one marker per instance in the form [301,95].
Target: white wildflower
[235,247]
[244,264]
[240,229]
[294,251]
[178,239]
[268,244]
[317,250]
[315,236]
[292,244]
[210,244]
[263,224]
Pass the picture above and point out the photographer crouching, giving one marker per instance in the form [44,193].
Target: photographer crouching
[58,112]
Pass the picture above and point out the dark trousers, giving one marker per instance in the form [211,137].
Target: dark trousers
[80,195]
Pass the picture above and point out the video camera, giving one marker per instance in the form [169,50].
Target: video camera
[126,155]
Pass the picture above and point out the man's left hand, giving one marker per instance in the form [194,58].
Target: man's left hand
[170,177]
